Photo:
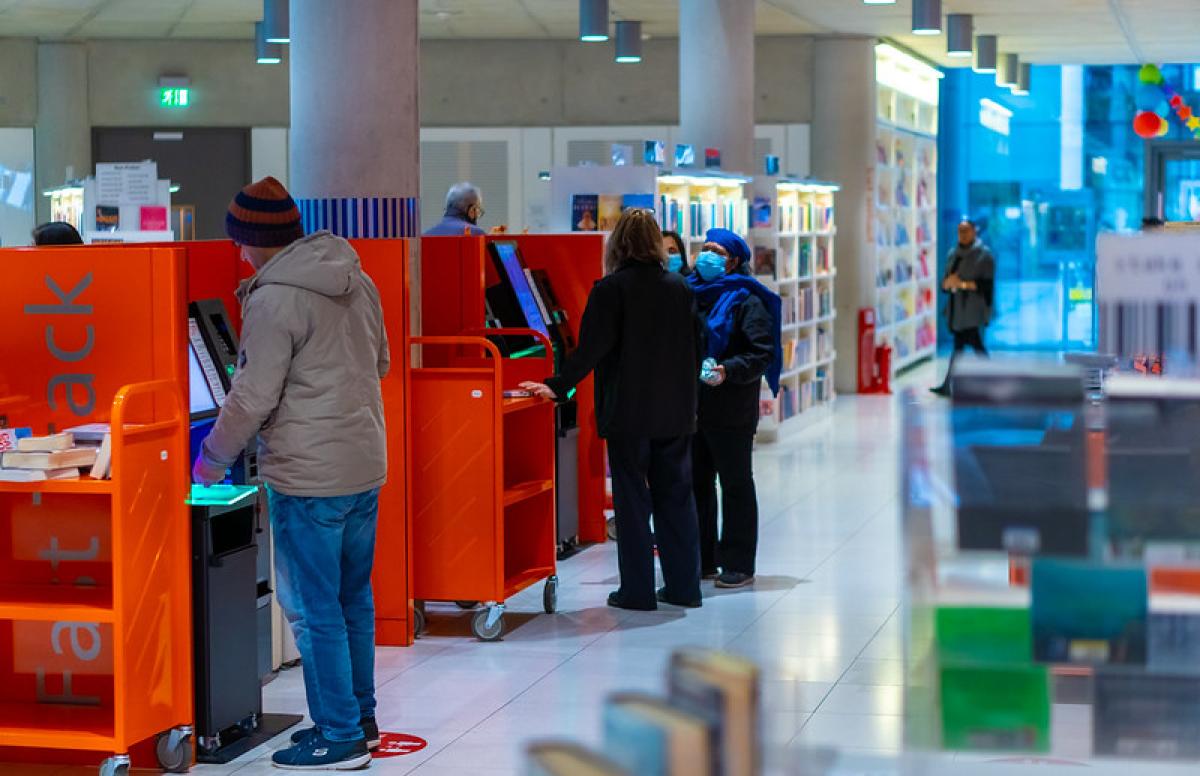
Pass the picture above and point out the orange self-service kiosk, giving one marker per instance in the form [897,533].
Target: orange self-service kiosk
[95,592]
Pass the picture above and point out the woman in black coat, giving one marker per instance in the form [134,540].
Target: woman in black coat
[742,328]
[639,333]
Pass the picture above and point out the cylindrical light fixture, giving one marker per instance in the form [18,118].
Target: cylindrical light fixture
[927,17]
[275,21]
[593,20]
[879,2]
[960,34]
[1010,68]
[629,41]
[1024,80]
[986,50]
[266,53]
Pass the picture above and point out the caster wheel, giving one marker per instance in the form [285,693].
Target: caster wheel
[174,750]
[488,624]
[115,766]
[249,725]
[418,622]
[466,604]
[611,525]
[550,595]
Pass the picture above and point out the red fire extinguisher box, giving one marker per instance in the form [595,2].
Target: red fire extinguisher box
[874,362]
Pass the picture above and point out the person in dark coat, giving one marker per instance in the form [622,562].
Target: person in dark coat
[464,208]
[742,327]
[970,282]
[640,334]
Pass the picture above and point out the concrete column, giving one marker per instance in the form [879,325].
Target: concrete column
[63,133]
[843,151]
[716,79]
[355,139]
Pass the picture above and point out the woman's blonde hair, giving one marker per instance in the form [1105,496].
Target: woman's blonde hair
[636,237]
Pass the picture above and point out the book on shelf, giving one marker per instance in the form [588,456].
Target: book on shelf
[640,201]
[725,687]
[60,459]
[649,737]
[102,468]
[608,212]
[764,261]
[554,758]
[10,437]
[760,213]
[38,475]
[583,212]
[46,444]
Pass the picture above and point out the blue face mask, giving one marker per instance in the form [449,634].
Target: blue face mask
[710,265]
[674,262]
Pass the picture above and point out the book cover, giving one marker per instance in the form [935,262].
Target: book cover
[771,164]
[154,218]
[9,437]
[685,155]
[760,213]
[643,201]
[764,261]
[649,737]
[91,432]
[608,212]
[554,758]
[622,155]
[583,212]
[712,158]
[655,153]
[108,218]
[737,680]
[102,468]
[1083,613]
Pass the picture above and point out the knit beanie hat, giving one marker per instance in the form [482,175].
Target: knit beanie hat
[733,244]
[264,215]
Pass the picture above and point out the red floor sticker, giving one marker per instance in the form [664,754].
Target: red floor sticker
[396,744]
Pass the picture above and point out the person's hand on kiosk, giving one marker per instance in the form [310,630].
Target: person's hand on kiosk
[540,390]
[205,473]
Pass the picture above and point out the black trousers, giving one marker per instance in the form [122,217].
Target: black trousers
[967,338]
[727,454]
[654,476]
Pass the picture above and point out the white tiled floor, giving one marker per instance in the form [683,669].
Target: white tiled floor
[818,620]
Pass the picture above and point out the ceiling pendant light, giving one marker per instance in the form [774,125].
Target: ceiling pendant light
[275,21]
[986,48]
[927,17]
[1009,70]
[593,20]
[266,53]
[960,35]
[1024,80]
[629,41]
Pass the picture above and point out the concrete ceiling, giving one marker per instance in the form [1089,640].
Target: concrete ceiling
[1042,31]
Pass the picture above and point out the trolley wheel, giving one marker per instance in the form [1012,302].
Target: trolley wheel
[466,604]
[488,624]
[418,622]
[249,724]
[611,526]
[115,766]
[550,595]
[174,750]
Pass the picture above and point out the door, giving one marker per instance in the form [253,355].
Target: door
[208,166]
[1173,181]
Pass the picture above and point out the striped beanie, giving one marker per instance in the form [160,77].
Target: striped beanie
[264,215]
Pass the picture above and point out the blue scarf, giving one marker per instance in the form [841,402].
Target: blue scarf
[721,297]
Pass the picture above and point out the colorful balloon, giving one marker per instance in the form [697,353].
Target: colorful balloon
[1176,101]
[1150,74]
[1147,124]
[1185,113]
[1164,129]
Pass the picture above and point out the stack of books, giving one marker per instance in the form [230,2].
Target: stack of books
[56,457]
[708,725]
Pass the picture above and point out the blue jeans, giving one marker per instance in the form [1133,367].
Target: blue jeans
[324,549]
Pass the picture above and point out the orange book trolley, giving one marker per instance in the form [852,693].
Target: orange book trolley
[95,586]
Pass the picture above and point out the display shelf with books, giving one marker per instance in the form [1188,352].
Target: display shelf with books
[904,204]
[793,230]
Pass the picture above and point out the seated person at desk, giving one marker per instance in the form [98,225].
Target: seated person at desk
[464,208]
[312,353]
[56,233]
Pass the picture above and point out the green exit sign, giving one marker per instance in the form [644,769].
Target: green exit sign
[174,97]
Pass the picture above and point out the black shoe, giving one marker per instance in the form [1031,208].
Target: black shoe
[710,574]
[615,601]
[941,390]
[734,579]
[316,753]
[370,730]
[662,596]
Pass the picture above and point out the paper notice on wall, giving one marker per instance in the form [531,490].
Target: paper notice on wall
[154,218]
[127,183]
[1156,266]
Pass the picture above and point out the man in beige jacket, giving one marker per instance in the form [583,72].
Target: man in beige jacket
[313,350]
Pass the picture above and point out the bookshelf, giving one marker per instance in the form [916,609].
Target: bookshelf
[903,219]
[792,231]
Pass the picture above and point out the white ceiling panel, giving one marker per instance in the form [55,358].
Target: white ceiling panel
[1041,31]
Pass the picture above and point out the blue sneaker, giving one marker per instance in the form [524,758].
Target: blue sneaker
[316,753]
[370,729]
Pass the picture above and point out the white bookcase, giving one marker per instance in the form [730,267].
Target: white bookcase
[904,215]
[792,230]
